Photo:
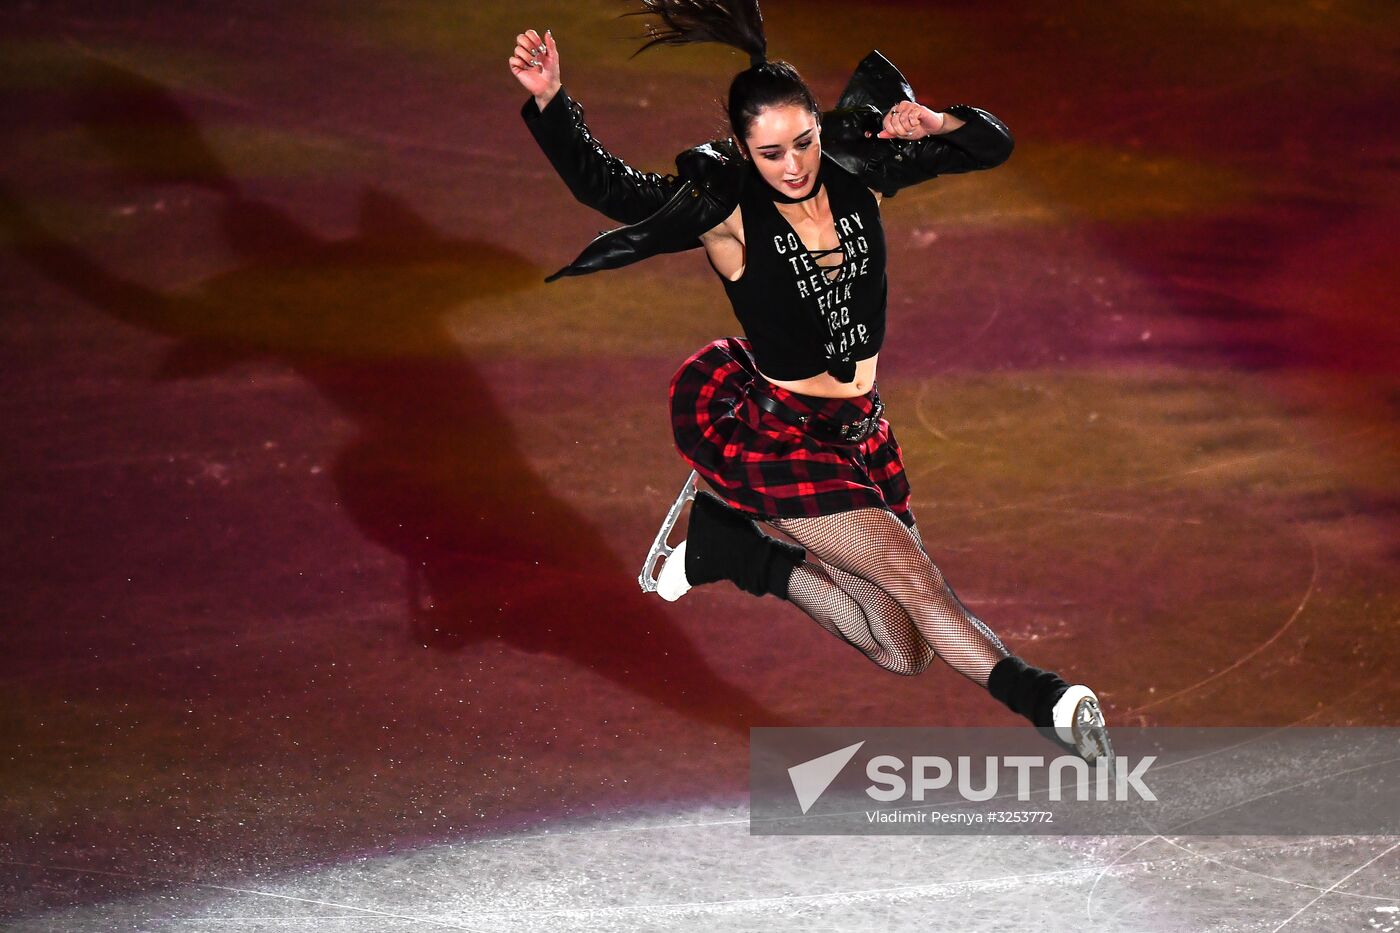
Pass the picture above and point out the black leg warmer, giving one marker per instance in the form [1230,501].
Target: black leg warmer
[724,544]
[1026,690]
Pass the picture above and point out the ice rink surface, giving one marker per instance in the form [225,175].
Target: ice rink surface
[701,870]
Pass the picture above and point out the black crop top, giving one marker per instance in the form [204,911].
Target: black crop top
[801,318]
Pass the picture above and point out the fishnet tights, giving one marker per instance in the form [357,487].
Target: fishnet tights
[869,581]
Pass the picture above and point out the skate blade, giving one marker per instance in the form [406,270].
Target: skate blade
[659,547]
[1091,734]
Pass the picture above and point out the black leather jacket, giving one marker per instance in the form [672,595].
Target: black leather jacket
[668,213]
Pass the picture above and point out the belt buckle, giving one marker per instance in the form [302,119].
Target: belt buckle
[857,430]
[860,430]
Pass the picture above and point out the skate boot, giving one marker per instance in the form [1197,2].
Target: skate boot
[723,543]
[1070,714]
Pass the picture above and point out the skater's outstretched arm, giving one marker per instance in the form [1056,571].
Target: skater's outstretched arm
[916,143]
[596,177]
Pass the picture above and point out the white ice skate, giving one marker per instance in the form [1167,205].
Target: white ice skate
[671,583]
[1079,724]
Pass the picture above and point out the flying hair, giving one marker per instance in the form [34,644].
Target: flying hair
[737,23]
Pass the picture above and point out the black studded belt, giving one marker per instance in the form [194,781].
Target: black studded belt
[854,432]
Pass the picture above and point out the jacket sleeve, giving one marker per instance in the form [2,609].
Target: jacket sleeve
[596,177]
[982,142]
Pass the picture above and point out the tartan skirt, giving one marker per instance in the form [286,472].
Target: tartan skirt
[763,465]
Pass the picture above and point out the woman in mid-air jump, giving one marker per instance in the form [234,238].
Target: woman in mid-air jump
[785,423]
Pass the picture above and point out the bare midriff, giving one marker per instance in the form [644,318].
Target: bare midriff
[828,386]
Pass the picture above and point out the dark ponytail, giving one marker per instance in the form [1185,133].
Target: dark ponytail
[737,23]
[732,22]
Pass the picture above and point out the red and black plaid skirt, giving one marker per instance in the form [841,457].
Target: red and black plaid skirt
[761,464]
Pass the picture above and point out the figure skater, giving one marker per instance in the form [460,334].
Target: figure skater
[785,423]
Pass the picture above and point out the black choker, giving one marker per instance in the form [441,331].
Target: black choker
[779,197]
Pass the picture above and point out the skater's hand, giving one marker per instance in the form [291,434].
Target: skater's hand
[908,120]
[537,70]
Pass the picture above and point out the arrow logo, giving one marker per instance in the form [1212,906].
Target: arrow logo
[810,779]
